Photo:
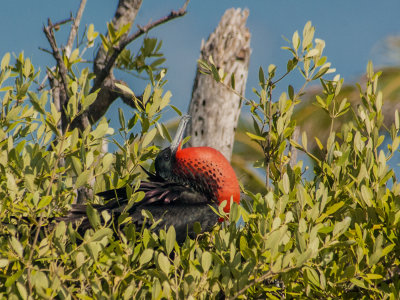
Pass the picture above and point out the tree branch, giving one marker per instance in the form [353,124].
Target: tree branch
[60,90]
[74,28]
[125,14]
[142,30]
[48,31]
[56,25]
[103,64]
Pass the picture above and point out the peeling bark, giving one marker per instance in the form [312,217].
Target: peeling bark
[214,108]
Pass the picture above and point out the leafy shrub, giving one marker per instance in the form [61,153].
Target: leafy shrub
[329,235]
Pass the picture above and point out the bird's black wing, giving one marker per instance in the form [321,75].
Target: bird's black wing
[175,204]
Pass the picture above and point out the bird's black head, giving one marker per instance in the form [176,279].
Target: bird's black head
[163,163]
[166,158]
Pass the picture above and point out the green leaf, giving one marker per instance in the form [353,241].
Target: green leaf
[312,53]
[93,216]
[4,262]
[106,44]
[102,233]
[303,257]
[170,240]
[11,279]
[370,69]
[146,256]
[13,113]
[374,276]
[146,93]
[100,130]
[80,259]
[5,61]
[22,290]
[61,228]
[388,249]
[82,179]
[197,227]
[261,76]
[176,110]
[321,102]
[312,275]
[296,40]
[121,118]
[165,100]
[334,208]
[320,73]
[341,227]
[17,246]
[91,34]
[44,201]
[233,84]
[304,140]
[367,195]
[149,137]
[88,100]
[107,161]
[286,183]
[358,283]
[129,291]
[40,280]
[125,89]
[163,263]
[206,260]
[255,137]
[291,92]
[271,69]
[308,35]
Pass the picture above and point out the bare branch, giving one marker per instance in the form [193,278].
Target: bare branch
[45,50]
[125,14]
[103,64]
[62,22]
[48,31]
[142,30]
[74,28]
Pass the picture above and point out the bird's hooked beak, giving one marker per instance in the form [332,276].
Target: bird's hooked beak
[179,133]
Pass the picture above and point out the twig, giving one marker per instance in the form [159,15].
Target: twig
[48,31]
[55,25]
[45,50]
[43,83]
[142,30]
[74,28]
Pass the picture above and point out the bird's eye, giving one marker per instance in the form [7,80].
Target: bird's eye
[166,156]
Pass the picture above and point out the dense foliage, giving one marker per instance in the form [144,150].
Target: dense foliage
[330,234]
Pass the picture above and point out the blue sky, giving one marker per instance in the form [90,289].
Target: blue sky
[353,31]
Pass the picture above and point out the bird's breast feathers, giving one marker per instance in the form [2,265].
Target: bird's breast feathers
[208,171]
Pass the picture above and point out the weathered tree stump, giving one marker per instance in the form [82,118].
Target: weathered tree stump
[214,108]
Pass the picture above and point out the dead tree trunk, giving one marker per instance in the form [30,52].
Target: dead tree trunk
[214,108]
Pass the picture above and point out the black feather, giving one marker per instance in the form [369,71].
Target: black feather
[176,204]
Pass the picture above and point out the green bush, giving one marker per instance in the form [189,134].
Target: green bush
[329,235]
